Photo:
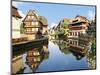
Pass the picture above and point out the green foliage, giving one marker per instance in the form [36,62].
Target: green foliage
[94,44]
[64,27]
[92,55]
[66,23]
[22,28]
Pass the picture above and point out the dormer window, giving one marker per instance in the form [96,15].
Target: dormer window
[74,20]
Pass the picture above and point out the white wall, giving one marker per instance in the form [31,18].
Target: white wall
[16,23]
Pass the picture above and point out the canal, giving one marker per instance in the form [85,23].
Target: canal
[54,56]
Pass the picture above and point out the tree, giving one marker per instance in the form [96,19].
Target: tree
[22,28]
[65,28]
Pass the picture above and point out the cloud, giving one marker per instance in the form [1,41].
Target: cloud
[14,4]
[91,15]
[53,24]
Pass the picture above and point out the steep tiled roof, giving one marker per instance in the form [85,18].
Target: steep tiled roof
[79,19]
[40,19]
[82,17]
[43,20]
[31,13]
[15,13]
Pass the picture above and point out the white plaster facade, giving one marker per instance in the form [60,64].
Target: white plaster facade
[16,23]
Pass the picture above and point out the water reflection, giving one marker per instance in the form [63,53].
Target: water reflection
[89,50]
[91,59]
[35,56]
[79,49]
[17,64]
[58,55]
[71,46]
[63,46]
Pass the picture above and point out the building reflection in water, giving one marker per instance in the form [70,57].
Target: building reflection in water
[90,52]
[73,42]
[63,46]
[79,49]
[45,52]
[17,64]
[71,46]
[36,56]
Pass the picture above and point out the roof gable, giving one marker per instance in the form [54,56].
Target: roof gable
[31,13]
[15,12]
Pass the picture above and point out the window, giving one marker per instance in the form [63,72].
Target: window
[34,23]
[75,33]
[74,20]
[32,17]
[28,17]
[70,33]
[34,29]
[28,30]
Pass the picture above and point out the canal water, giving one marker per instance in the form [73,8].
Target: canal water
[54,56]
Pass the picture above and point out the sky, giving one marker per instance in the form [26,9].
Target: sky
[55,12]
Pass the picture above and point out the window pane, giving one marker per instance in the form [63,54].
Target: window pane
[32,17]
[28,17]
